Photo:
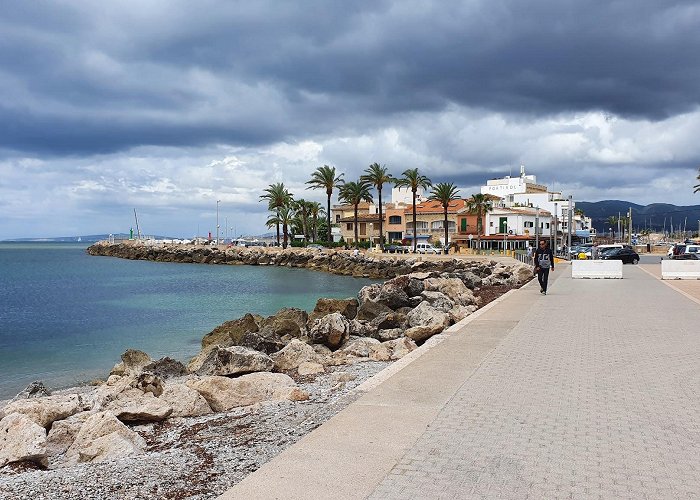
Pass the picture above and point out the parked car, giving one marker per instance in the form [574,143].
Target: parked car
[626,255]
[687,256]
[427,248]
[396,249]
[676,250]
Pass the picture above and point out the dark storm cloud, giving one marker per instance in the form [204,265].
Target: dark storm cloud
[94,77]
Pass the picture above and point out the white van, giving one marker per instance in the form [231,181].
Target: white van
[426,248]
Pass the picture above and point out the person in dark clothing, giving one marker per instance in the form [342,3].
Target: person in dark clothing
[544,261]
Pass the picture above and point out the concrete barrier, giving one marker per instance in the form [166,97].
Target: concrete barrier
[680,269]
[596,269]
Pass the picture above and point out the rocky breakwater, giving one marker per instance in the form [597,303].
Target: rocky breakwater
[244,362]
[340,262]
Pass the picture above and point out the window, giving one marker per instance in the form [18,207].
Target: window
[348,226]
[394,219]
[463,224]
[337,218]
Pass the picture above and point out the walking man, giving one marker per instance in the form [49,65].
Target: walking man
[544,261]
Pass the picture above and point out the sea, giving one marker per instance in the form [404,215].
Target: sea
[66,316]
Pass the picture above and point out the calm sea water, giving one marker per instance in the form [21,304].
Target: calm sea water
[66,317]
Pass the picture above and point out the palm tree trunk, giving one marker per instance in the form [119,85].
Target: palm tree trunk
[284,232]
[447,243]
[278,227]
[356,233]
[415,229]
[381,221]
[328,213]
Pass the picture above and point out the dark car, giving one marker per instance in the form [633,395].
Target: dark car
[396,249]
[626,255]
[687,256]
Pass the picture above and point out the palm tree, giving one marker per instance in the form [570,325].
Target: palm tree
[324,178]
[377,176]
[480,205]
[277,197]
[413,180]
[444,192]
[284,217]
[301,208]
[612,220]
[315,211]
[697,186]
[353,193]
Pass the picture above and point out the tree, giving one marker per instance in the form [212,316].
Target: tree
[480,205]
[444,192]
[277,197]
[697,186]
[324,178]
[377,176]
[284,217]
[315,211]
[413,180]
[301,208]
[353,193]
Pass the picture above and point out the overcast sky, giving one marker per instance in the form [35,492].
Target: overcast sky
[168,106]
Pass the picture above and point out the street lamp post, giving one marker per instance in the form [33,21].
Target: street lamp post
[217,221]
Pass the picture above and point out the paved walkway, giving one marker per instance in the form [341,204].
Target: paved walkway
[590,392]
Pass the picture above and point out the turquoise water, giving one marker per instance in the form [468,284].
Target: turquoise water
[66,317]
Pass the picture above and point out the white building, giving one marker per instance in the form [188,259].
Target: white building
[523,191]
[404,195]
[519,221]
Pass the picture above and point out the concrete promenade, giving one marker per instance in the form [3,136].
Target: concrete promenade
[592,391]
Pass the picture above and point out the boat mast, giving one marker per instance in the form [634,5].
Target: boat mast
[138,231]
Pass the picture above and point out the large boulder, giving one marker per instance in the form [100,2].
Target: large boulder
[231,332]
[185,401]
[331,330]
[63,433]
[453,288]
[22,439]
[132,363]
[265,340]
[389,334]
[288,321]
[44,411]
[166,368]
[438,300]
[230,361]
[346,307]
[103,437]
[360,347]
[292,355]
[310,368]
[223,393]
[425,321]
[134,405]
[362,328]
[389,320]
[400,347]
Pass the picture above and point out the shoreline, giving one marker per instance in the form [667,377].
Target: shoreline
[207,454]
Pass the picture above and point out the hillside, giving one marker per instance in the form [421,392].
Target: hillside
[655,216]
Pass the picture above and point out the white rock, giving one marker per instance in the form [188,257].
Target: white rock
[332,330]
[224,393]
[228,361]
[21,439]
[360,347]
[63,433]
[103,437]
[185,402]
[425,321]
[400,347]
[132,405]
[46,410]
[294,354]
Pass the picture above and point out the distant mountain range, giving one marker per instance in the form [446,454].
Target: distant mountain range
[657,216]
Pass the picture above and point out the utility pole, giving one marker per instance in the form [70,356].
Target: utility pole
[556,232]
[629,232]
[570,213]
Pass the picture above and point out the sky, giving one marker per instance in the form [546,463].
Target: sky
[168,106]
